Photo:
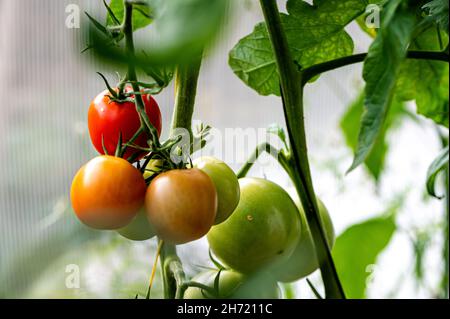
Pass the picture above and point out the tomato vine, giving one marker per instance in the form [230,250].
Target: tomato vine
[292,78]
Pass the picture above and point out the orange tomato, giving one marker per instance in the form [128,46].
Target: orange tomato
[107,192]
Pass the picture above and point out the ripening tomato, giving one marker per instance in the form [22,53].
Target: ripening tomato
[226,183]
[139,228]
[234,285]
[181,205]
[107,192]
[303,260]
[108,119]
[261,232]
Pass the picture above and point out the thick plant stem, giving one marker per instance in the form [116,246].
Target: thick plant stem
[167,258]
[292,93]
[186,89]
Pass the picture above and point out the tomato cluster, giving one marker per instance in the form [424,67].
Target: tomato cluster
[179,205]
[252,225]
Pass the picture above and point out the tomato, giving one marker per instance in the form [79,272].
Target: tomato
[181,205]
[226,183]
[234,285]
[107,192]
[107,119]
[263,229]
[139,228]
[303,260]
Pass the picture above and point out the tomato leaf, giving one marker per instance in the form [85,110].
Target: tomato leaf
[438,11]
[142,14]
[315,34]
[100,27]
[426,81]
[350,125]
[277,130]
[438,165]
[357,248]
[381,68]
[182,30]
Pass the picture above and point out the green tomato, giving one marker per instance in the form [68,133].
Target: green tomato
[263,230]
[226,183]
[138,229]
[233,285]
[303,260]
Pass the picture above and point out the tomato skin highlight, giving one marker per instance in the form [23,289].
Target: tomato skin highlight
[181,205]
[226,183]
[303,260]
[108,119]
[107,192]
[261,232]
[234,285]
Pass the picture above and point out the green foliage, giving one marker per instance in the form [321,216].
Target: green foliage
[142,15]
[358,247]
[438,165]
[350,125]
[426,81]
[438,11]
[315,34]
[184,28]
[381,68]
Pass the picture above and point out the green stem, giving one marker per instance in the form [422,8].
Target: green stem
[172,271]
[185,90]
[317,69]
[292,93]
[264,147]
[131,74]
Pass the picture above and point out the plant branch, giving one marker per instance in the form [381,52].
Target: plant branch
[263,147]
[186,79]
[312,71]
[292,95]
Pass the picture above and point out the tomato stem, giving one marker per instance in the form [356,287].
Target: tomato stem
[263,147]
[132,77]
[186,79]
[292,98]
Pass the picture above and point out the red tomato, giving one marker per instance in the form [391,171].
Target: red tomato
[107,193]
[107,118]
